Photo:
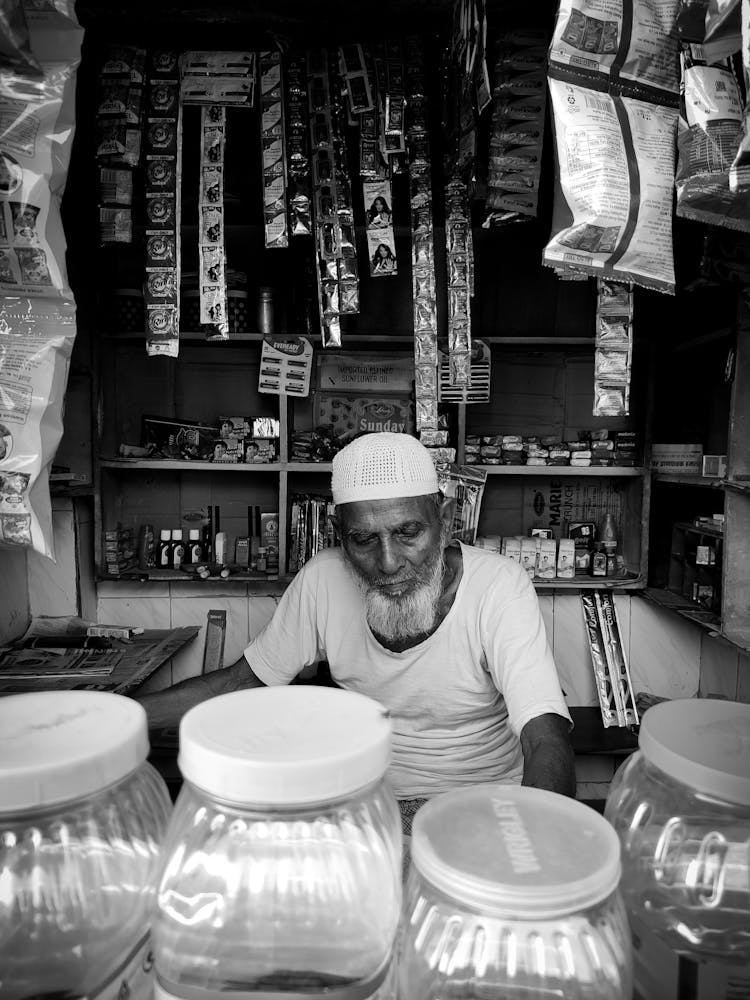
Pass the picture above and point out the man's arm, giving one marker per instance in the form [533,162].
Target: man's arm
[548,760]
[166,708]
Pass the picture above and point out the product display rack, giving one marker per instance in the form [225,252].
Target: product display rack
[126,483]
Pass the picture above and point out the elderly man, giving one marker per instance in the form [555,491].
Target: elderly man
[448,637]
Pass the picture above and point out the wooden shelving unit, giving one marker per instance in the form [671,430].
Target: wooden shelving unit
[682,497]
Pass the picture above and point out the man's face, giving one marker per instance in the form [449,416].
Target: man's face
[395,551]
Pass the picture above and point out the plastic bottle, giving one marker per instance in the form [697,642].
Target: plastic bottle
[599,560]
[178,548]
[681,808]
[608,534]
[261,564]
[281,870]
[195,548]
[164,552]
[82,816]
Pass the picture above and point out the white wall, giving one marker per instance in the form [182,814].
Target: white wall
[664,651]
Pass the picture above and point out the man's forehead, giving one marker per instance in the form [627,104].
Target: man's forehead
[382,513]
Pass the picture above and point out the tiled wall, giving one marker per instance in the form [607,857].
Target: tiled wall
[663,650]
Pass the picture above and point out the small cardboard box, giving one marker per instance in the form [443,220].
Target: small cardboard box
[566,559]
[685,458]
[546,559]
[714,465]
[528,556]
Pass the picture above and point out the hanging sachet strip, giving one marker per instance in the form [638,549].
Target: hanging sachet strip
[211,250]
[325,217]
[298,147]
[348,273]
[614,348]
[163,142]
[458,250]
[422,239]
[381,243]
[273,152]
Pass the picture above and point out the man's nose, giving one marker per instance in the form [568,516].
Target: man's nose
[391,559]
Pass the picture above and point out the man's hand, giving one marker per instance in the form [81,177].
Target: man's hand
[165,708]
[548,760]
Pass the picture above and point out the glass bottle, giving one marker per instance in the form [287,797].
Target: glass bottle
[265,310]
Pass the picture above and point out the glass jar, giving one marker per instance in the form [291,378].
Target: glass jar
[681,807]
[282,866]
[512,893]
[82,815]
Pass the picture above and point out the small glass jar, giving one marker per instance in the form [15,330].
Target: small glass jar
[681,807]
[282,866]
[512,893]
[82,815]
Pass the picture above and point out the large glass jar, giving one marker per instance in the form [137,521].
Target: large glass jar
[681,807]
[81,819]
[512,893]
[282,866]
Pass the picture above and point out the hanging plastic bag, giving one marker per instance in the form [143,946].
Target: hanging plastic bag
[37,314]
[709,138]
[37,115]
[613,195]
[36,340]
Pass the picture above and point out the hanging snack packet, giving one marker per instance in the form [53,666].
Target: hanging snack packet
[274,155]
[37,115]
[163,139]
[36,341]
[614,349]
[612,215]
[709,137]
[631,44]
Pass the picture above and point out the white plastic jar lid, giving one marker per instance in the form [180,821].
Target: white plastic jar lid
[284,745]
[56,746]
[702,742]
[516,852]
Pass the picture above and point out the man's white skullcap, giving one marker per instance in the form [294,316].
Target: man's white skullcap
[382,466]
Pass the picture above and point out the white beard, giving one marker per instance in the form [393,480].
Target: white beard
[404,616]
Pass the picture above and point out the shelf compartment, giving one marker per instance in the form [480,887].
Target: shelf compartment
[175,465]
[553,471]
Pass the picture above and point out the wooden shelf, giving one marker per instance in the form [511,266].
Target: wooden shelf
[176,465]
[680,479]
[631,582]
[685,608]
[553,471]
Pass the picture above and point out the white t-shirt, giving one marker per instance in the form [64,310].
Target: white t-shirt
[459,700]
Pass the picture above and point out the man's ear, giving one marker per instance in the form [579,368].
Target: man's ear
[336,524]
[447,510]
